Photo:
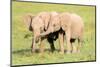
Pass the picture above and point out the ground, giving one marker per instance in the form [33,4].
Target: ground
[22,37]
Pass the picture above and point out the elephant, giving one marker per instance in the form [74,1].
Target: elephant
[55,26]
[71,27]
[38,24]
[34,24]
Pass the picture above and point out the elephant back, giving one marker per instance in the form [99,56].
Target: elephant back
[77,25]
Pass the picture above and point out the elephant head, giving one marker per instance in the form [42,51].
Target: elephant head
[45,16]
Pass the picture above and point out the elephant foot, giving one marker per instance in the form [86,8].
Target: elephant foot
[33,50]
[74,51]
[78,51]
[41,51]
[68,52]
[61,52]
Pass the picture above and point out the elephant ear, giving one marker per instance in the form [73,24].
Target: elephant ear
[27,19]
[45,16]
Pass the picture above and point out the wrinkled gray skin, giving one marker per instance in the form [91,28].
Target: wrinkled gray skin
[72,25]
[38,24]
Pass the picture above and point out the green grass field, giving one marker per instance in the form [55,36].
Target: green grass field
[21,51]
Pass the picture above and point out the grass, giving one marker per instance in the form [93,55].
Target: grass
[21,52]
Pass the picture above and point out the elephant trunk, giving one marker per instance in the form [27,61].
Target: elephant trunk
[45,33]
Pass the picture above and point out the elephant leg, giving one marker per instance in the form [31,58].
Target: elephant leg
[61,42]
[50,40]
[79,45]
[68,37]
[33,45]
[74,50]
[41,45]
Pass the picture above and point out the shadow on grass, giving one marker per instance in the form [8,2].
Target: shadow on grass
[21,51]
[28,51]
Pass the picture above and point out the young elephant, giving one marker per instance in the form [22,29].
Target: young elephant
[54,26]
[72,25]
[36,24]
[45,16]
